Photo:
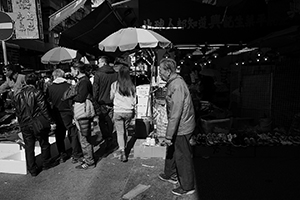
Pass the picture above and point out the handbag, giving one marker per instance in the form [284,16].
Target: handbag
[84,110]
[70,93]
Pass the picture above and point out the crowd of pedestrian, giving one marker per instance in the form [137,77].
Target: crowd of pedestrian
[113,97]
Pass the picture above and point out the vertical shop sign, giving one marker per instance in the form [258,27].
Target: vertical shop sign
[40,19]
[26,24]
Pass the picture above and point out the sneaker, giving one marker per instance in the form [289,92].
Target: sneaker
[179,191]
[164,177]
[85,166]
[76,160]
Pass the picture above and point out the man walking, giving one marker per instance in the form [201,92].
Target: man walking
[181,124]
[103,79]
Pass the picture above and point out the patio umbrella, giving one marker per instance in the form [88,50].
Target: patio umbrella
[59,55]
[129,38]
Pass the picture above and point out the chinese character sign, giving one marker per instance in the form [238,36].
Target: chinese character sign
[26,24]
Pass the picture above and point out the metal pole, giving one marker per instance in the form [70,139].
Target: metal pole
[4,52]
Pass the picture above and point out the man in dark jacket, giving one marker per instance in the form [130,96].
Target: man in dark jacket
[63,115]
[103,79]
[30,103]
[181,124]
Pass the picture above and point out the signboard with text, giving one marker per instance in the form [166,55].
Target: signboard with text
[192,22]
[26,23]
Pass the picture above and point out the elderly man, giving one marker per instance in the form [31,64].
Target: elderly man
[181,124]
[63,115]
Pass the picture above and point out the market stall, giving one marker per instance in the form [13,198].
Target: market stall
[142,43]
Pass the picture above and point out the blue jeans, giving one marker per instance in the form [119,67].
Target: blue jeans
[122,121]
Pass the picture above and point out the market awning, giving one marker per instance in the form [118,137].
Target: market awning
[87,33]
[286,41]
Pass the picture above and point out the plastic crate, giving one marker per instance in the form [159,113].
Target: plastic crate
[216,125]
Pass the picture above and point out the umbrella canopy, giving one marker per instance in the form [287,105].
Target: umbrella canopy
[59,55]
[128,38]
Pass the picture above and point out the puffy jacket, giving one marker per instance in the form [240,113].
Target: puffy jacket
[30,103]
[180,109]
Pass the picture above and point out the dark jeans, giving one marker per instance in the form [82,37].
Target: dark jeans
[179,161]
[106,123]
[29,140]
[67,118]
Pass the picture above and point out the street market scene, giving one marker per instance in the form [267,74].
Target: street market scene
[150,99]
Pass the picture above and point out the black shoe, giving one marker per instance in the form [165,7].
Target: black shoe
[50,165]
[164,177]
[179,191]
[123,157]
[35,172]
[76,160]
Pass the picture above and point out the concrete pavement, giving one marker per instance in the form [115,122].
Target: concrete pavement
[218,177]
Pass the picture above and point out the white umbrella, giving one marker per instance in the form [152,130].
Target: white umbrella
[129,38]
[59,55]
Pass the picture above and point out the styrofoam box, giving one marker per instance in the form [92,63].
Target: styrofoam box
[142,151]
[12,156]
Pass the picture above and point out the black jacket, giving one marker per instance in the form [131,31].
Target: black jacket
[103,79]
[30,103]
[55,93]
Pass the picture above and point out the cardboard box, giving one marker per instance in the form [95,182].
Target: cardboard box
[142,151]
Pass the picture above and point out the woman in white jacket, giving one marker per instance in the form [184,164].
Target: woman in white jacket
[123,95]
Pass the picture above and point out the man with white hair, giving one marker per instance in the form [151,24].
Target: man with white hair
[63,115]
[181,124]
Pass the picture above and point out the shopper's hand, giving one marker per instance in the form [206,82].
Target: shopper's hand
[167,142]
[52,127]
